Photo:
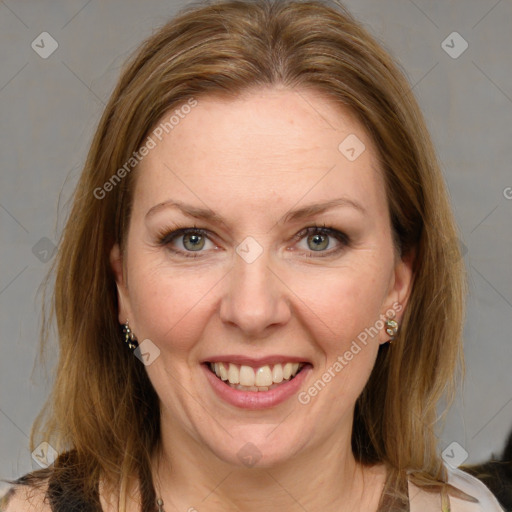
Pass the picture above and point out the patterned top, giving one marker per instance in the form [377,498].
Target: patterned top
[469,495]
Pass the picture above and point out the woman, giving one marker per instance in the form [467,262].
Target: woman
[259,294]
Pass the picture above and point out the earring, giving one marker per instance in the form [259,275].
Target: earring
[391,328]
[129,337]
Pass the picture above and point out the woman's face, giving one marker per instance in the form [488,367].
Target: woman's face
[251,286]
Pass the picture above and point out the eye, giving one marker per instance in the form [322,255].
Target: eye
[317,239]
[193,240]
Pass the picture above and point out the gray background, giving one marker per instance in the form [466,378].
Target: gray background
[50,107]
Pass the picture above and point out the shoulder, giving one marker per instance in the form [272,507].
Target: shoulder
[467,494]
[25,498]
[56,488]
[474,487]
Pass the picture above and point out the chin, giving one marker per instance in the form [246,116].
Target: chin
[262,447]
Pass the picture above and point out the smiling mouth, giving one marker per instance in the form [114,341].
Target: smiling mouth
[263,378]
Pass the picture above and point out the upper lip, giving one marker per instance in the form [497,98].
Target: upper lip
[255,361]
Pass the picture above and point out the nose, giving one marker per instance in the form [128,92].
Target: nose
[255,297]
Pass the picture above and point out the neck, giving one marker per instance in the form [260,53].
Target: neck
[187,474]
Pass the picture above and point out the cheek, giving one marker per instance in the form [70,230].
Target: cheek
[344,321]
[340,304]
[170,305]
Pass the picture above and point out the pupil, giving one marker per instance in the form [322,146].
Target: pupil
[196,241]
[317,240]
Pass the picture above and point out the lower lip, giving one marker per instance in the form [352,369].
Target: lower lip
[256,399]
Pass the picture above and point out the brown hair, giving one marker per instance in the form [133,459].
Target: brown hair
[102,405]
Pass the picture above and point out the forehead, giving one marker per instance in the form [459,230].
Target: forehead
[263,147]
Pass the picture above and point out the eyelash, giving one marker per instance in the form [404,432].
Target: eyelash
[166,237]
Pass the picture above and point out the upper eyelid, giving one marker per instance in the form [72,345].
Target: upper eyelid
[302,232]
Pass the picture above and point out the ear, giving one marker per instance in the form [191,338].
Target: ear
[116,263]
[399,291]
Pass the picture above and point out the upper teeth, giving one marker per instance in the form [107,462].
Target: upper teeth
[248,376]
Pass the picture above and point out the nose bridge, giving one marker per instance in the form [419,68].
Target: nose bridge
[254,298]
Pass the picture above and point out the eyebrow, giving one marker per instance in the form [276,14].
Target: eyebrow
[294,215]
